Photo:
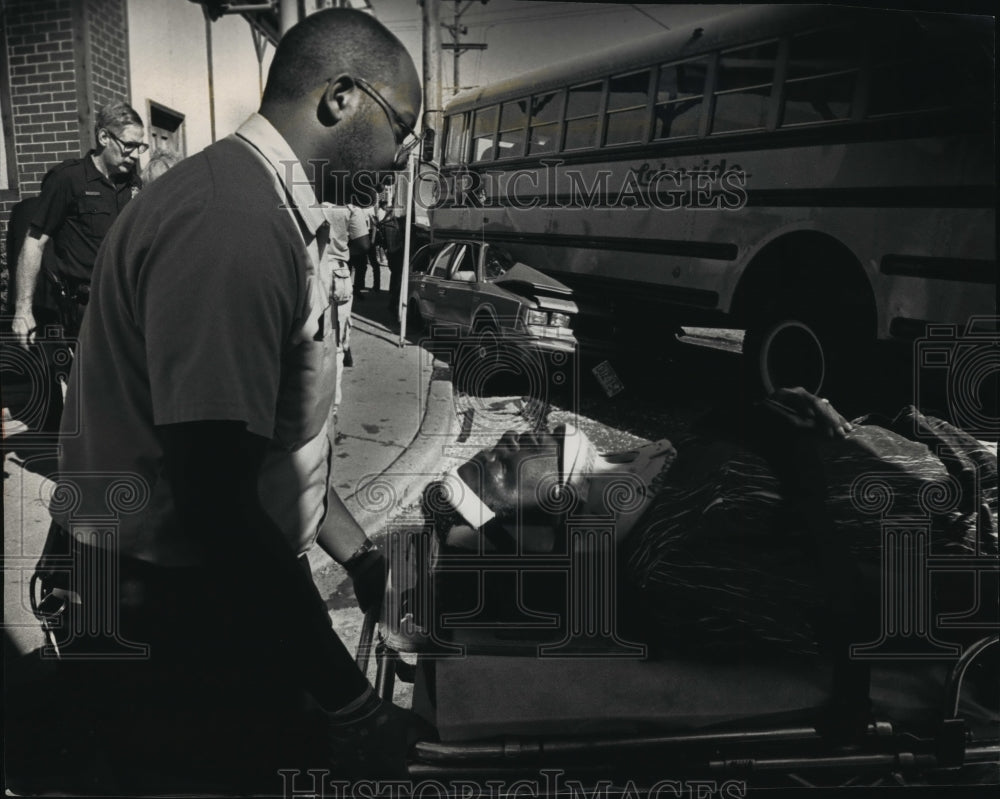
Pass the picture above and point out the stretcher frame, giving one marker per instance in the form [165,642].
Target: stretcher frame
[792,755]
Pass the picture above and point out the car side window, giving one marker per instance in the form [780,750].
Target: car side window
[497,262]
[465,265]
[440,266]
[421,261]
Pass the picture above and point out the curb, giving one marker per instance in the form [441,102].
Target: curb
[382,496]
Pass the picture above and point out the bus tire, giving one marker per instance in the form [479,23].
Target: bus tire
[793,349]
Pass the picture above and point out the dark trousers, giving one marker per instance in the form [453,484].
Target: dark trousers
[166,685]
[361,269]
[395,278]
[56,336]
[359,265]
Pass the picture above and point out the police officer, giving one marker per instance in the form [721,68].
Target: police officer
[80,199]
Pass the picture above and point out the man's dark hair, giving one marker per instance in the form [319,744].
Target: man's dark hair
[115,117]
[326,44]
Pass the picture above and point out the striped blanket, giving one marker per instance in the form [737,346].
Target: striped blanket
[721,564]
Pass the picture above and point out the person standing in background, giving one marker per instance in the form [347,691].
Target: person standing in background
[392,234]
[359,247]
[361,260]
[80,200]
[159,162]
[374,257]
[348,244]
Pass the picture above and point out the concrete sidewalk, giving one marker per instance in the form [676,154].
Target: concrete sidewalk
[395,422]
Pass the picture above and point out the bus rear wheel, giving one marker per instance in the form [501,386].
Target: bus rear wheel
[794,349]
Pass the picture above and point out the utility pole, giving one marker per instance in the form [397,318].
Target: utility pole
[433,116]
[456,29]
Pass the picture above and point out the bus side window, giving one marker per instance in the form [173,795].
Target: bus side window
[822,77]
[483,131]
[544,132]
[513,118]
[628,97]
[455,139]
[582,106]
[743,88]
[679,99]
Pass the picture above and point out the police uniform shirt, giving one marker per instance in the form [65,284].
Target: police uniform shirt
[76,209]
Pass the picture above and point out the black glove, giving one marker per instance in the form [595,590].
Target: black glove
[368,575]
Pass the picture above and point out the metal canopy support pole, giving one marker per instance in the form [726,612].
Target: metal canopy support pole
[288,14]
[211,71]
[259,47]
[455,31]
[405,280]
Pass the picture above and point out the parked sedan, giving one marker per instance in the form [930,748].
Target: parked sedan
[475,292]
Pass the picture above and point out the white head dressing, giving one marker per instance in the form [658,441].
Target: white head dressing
[464,500]
[578,462]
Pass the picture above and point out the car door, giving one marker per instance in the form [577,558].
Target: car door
[431,285]
[456,296]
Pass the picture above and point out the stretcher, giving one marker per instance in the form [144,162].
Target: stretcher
[517,693]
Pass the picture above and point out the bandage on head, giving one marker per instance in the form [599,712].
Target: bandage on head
[577,459]
[465,501]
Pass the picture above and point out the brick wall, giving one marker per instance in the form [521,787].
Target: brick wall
[63,57]
[108,31]
[43,92]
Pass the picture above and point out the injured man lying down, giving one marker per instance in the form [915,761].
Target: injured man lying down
[758,531]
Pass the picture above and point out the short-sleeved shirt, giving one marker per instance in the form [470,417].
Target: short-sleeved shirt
[347,223]
[76,209]
[212,304]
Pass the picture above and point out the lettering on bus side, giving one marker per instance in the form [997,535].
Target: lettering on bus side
[703,187]
[716,186]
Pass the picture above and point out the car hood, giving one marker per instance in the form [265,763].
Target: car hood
[546,290]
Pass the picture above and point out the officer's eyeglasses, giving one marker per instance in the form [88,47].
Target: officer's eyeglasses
[410,139]
[128,147]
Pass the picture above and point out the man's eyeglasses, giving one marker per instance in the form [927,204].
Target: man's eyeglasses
[128,147]
[410,139]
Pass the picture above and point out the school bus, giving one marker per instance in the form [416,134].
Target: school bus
[820,177]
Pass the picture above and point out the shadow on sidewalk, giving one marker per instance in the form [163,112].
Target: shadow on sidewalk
[372,307]
[33,454]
